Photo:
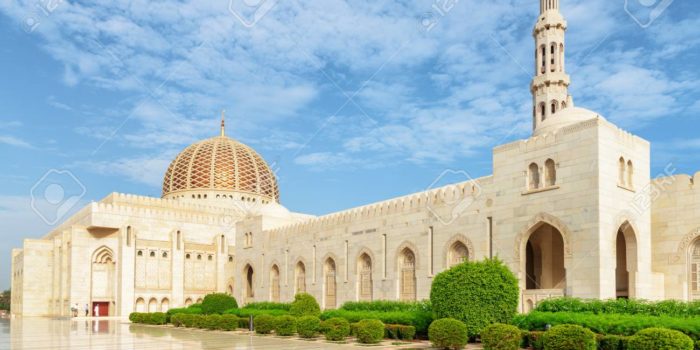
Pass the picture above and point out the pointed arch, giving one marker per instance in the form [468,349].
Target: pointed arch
[364,267]
[299,277]
[407,262]
[550,173]
[626,258]
[533,171]
[274,283]
[330,283]
[452,247]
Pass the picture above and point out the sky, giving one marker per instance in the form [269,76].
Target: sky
[352,101]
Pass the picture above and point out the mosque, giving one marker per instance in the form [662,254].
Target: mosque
[571,210]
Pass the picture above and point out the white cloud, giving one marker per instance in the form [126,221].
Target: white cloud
[14,141]
[144,170]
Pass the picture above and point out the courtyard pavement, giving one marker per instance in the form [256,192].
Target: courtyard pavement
[78,334]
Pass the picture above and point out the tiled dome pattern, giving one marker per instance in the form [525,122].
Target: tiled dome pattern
[221,163]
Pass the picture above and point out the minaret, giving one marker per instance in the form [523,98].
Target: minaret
[550,86]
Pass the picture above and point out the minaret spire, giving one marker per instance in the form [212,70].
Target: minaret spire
[550,86]
[223,122]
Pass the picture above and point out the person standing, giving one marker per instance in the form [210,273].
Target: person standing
[97,311]
[87,310]
[72,310]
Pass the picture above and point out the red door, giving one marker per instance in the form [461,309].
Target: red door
[100,308]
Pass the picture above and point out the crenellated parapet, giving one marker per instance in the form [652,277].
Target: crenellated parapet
[417,202]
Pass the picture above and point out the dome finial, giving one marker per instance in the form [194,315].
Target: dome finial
[223,117]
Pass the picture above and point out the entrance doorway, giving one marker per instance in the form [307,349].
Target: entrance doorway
[100,308]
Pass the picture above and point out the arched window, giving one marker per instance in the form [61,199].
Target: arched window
[563,104]
[152,255]
[407,275]
[139,253]
[249,278]
[210,257]
[534,176]
[275,284]
[199,256]
[543,111]
[630,174]
[553,64]
[188,302]
[140,305]
[622,170]
[128,236]
[187,256]
[165,255]
[544,59]
[554,106]
[550,173]
[458,254]
[153,305]
[364,277]
[223,243]
[300,278]
[165,305]
[329,272]
[561,57]
[230,258]
[695,271]
[179,238]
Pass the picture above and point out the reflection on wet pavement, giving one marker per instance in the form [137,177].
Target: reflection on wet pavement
[45,333]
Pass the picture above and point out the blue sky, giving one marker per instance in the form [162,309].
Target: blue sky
[354,101]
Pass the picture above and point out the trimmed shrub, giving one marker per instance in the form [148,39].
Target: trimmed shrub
[182,310]
[217,303]
[157,318]
[608,323]
[612,342]
[304,304]
[569,337]
[672,308]
[369,331]
[659,339]
[336,329]
[244,322]
[399,331]
[476,293]
[419,319]
[176,320]
[387,306]
[308,326]
[264,324]
[500,336]
[285,325]
[134,317]
[211,322]
[228,322]
[198,321]
[448,333]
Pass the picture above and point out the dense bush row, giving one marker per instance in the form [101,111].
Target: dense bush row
[388,306]
[418,319]
[157,318]
[672,308]
[608,324]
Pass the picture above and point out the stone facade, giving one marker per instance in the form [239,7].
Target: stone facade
[571,210]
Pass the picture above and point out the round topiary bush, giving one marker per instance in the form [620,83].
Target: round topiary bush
[308,326]
[448,333]
[476,293]
[212,322]
[264,324]
[500,336]
[304,304]
[336,328]
[228,322]
[217,303]
[569,337]
[285,325]
[370,331]
[659,339]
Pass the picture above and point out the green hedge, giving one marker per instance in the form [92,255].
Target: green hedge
[304,304]
[264,324]
[418,319]
[399,331]
[387,306]
[156,318]
[500,336]
[659,339]
[369,331]
[569,337]
[285,325]
[268,305]
[448,333]
[308,326]
[672,308]
[335,329]
[612,342]
[217,303]
[246,312]
[476,293]
[608,323]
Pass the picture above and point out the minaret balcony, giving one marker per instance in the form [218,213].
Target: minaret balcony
[551,78]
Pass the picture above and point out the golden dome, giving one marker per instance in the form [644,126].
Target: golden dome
[220,164]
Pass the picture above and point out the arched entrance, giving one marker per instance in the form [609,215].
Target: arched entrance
[165,305]
[140,305]
[626,261]
[364,277]
[188,302]
[457,254]
[249,278]
[544,255]
[300,278]
[407,275]
[329,284]
[102,281]
[275,284]
[153,305]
